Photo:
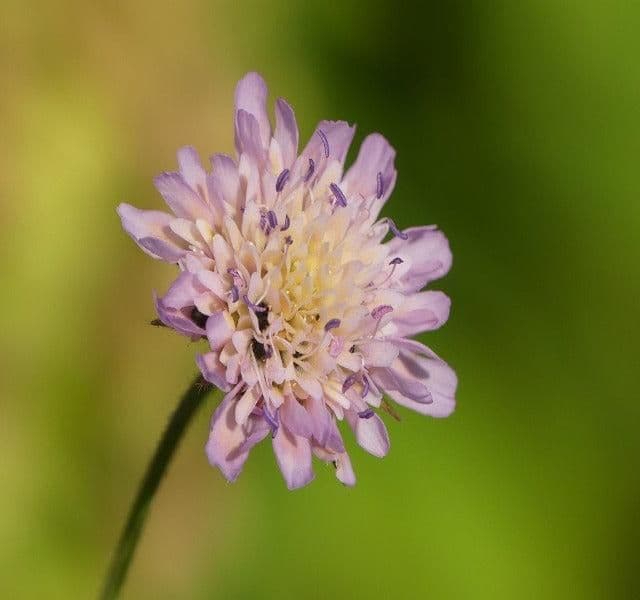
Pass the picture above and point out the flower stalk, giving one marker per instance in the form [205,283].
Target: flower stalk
[189,404]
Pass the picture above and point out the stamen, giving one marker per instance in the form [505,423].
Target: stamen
[235,294]
[349,381]
[256,308]
[235,274]
[396,261]
[394,229]
[332,324]
[263,223]
[310,170]
[282,180]
[325,142]
[341,199]
[287,223]
[380,311]
[288,240]
[379,187]
[366,414]
[273,220]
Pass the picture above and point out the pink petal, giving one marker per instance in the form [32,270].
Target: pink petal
[419,363]
[251,97]
[286,133]
[421,311]
[341,462]
[224,182]
[246,403]
[180,198]
[338,134]
[183,291]
[344,470]
[220,328]
[295,418]
[293,454]
[248,136]
[378,353]
[229,443]
[370,433]
[426,256]
[150,230]
[213,370]
[375,156]
[191,169]
[325,431]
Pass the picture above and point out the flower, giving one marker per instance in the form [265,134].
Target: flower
[306,309]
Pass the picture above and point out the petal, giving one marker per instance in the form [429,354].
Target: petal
[295,418]
[398,379]
[248,136]
[375,156]
[177,320]
[293,454]
[223,183]
[213,370]
[341,462]
[150,230]
[425,254]
[183,291]
[420,363]
[180,198]
[251,97]
[191,170]
[344,470]
[286,133]
[338,135]
[422,311]
[378,353]
[220,328]
[229,443]
[370,433]
[246,404]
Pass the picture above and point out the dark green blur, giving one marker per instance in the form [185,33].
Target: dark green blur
[517,127]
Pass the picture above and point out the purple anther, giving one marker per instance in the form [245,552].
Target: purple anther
[380,311]
[341,199]
[325,142]
[394,229]
[310,170]
[365,386]
[268,351]
[366,414]
[273,220]
[379,186]
[237,278]
[287,223]
[332,324]
[235,294]
[349,381]
[288,240]
[254,307]
[282,180]
[263,222]
[396,261]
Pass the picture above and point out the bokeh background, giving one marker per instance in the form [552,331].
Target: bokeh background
[517,127]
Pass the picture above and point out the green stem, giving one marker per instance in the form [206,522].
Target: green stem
[189,405]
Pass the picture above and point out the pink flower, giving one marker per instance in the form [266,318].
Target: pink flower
[306,310]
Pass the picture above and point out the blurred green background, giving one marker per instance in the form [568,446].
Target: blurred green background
[517,126]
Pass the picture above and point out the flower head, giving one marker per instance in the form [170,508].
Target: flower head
[285,271]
